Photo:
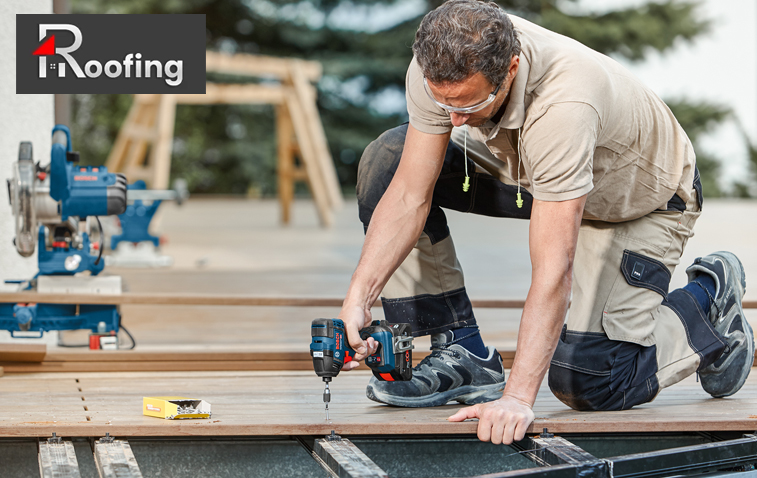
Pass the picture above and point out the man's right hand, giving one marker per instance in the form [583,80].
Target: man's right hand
[356,318]
[395,226]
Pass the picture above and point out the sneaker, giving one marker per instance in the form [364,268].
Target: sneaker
[728,373]
[449,373]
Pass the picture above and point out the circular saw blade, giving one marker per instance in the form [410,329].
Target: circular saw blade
[22,201]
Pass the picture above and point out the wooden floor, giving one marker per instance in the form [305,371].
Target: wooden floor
[237,247]
[290,403]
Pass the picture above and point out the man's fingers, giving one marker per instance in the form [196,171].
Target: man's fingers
[498,432]
[351,365]
[484,430]
[520,430]
[464,414]
[357,344]
[509,431]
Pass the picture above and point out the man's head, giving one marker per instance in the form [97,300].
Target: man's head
[463,40]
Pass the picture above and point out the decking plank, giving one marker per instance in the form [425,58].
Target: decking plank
[289,403]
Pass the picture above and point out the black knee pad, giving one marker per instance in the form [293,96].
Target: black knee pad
[591,372]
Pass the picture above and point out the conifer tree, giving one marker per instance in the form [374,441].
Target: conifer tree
[231,149]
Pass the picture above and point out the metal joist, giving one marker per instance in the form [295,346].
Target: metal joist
[728,454]
[57,459]
[345,459]
[559,458]
[114,459]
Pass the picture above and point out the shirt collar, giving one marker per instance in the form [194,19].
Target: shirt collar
[515,113]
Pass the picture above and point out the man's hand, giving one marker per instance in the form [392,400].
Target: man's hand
[501,421]
[395,226]
[356,318]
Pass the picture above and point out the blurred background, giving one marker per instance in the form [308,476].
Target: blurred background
[700,57]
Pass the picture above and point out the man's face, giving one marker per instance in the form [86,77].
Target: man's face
[472,91]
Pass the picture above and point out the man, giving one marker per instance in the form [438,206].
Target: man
[565,137]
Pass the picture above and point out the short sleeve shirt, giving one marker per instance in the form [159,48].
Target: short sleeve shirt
[577,123]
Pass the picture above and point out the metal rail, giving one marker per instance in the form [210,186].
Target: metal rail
[345,459]
[555,457]
[114,459]
[57,459]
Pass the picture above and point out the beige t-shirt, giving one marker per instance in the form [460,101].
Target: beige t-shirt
[587,126]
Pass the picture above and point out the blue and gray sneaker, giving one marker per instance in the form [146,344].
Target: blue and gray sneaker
[449,373]
[728,373]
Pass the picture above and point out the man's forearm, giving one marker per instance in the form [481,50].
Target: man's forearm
[394,229]
[553,234]
[540,327]
[399,217]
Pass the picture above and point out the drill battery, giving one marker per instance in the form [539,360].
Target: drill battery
[393,360]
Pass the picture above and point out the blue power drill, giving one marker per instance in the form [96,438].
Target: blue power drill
[330,350]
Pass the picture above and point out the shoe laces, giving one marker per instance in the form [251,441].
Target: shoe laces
[439,349]
[713,303]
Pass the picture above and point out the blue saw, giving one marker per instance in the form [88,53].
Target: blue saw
[55,207]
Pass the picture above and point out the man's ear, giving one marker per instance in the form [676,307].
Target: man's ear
[513,69]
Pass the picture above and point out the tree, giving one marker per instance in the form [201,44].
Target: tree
[230,148]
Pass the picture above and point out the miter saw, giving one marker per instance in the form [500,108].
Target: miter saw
[134,246]
[55,207]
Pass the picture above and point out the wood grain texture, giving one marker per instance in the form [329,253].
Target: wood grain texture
[230,300]
[135,361]
[22,352]
[206,299]
[290,403]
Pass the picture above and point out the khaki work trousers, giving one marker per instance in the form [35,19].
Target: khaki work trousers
[625,337]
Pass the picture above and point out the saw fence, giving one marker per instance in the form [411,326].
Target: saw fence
[142,149]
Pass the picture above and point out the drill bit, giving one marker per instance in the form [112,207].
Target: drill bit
[327,397]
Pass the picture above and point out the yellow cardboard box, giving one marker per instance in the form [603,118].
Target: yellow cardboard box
[168,407]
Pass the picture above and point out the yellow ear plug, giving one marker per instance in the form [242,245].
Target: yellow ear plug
[466,183]
[519,201]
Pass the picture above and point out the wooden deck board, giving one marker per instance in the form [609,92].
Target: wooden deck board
[289,403]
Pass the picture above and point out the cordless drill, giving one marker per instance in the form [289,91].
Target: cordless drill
[330,350]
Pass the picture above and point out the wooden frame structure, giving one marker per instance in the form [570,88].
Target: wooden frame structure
[142,149]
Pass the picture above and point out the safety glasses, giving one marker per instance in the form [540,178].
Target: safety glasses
[464,110]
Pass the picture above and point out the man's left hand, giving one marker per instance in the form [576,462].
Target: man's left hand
[501,421]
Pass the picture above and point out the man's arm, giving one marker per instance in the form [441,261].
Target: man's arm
[395,227]
[553,234]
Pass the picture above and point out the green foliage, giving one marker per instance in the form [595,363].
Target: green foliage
[631,32]
[748,187]
[231,149]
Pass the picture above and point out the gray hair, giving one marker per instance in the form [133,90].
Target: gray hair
[463,37]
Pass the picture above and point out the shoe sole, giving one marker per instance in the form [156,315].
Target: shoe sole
[744,357]
[467,394]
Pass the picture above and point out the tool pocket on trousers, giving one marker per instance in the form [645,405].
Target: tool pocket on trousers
[640,287]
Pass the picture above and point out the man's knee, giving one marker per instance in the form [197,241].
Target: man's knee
[587,392]
[591,372]
[377,167]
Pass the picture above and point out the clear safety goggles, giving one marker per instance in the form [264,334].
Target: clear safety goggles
[462,110]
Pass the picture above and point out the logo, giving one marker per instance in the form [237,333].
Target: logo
[110,54]
[152,408]
[638,270]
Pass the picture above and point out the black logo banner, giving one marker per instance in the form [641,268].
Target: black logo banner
[110,54]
